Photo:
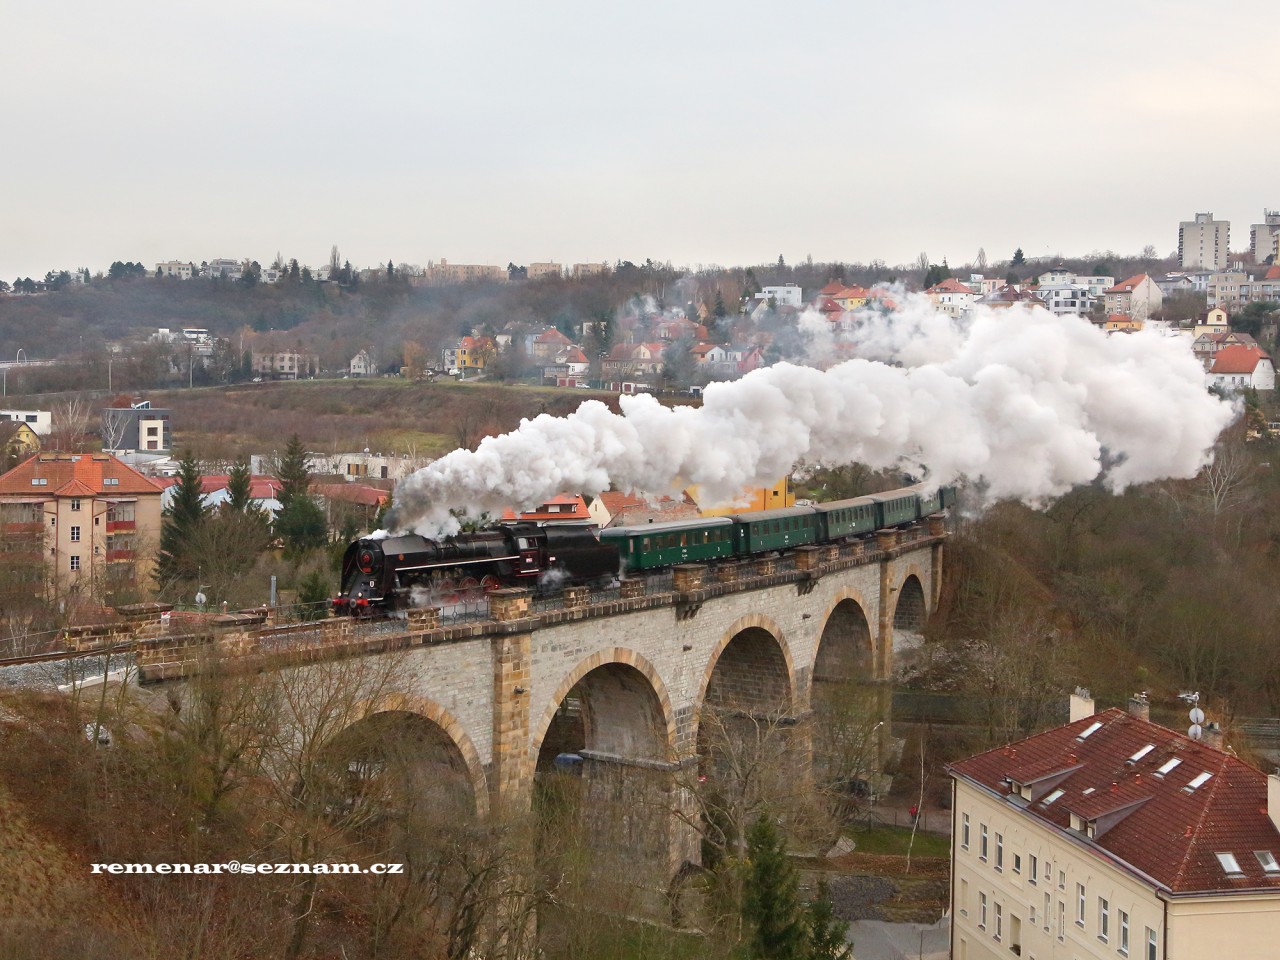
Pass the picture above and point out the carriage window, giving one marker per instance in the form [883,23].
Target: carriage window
[645,545]
[684,539]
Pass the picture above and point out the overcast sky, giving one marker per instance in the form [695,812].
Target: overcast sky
[701,132]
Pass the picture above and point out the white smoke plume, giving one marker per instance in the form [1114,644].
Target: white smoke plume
[1019,402]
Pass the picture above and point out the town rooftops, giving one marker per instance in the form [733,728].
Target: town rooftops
[1237,358]
[1188,816]
[74,475]
[563,506]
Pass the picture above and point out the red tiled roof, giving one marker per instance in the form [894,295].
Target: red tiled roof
[1161,826]
[260,487]
[89,469]
[356,493]
[1237,358]
[578,509]
[552,335]
[831,289]
[628,508]
[1126,286]
[950,285]
[1273,272]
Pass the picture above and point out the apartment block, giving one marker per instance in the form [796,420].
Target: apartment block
[1204,243]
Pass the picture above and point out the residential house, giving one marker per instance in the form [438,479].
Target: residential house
[264,492]
[182,269]
[285,365]
[1113,837]
[1008,296]
[139,427]
[758,498]
[1212,321]
[41,421]
[225,269]
[1137,297]
[544,346]
[1238,367]
[614,508]
[951,297]
[349,505]
[829,309]
[17,442]
[561,508]
[361,365]
[851,298]
[1175,283]
[1264,288]
[584,270]
[471,354]
[85,515]
[1062,277]
[1121,323]
[784,295]
[1204,242]
[568,368]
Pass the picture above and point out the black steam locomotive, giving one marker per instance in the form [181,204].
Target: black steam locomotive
[381,576]
[397,572]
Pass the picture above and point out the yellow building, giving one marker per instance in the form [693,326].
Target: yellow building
[1113,837]
[18,441]
[761,498]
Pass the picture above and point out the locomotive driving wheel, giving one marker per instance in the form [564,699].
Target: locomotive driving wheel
[447,590]
[490,583]
[469,589]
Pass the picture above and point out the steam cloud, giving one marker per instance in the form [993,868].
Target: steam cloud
[1021,403]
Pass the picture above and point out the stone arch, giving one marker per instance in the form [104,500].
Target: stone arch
[632,677]
[846,648]
[451,730]
[910,611]
[764,642]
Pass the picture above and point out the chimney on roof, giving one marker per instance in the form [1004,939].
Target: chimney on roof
[1140,706]
[1273,799]
[1212,735]
[1081,704]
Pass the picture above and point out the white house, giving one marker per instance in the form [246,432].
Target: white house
[361,365]
[1239,367]
[40,421]
[1137,297]
[951,297]
[786,295]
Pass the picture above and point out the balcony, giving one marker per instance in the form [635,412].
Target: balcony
[114,556]
[119,526]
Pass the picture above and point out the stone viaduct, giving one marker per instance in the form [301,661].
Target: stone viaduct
[622,681]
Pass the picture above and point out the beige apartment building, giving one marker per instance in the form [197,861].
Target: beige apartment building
[1137,296]
[1204,243]
[446,272]
[82,515]
[1113,837]
[539,271]
[1264,238]
[581,270]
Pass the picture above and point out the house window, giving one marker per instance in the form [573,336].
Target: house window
[982,911]
[1124,932]
[999,852]
[1153,942]
[964,832]
[1062,920]
[982,842]
[75,563]
[999,921]
[75,503]
[75,534]
[1017,863]
[1080,904]
[1046,913]
[1104,919]
[1033,867]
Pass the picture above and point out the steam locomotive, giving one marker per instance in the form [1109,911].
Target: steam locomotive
[384,575]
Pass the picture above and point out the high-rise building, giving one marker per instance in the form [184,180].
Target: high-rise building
[1204,242]
[1264,238]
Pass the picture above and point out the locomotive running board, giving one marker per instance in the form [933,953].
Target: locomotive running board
[455,563]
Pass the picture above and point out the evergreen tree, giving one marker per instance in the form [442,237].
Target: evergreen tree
[771,904]
[238,486]
[182,521]
[301,525]
[719,310]
[1018,259]
[295,478]
[826,930]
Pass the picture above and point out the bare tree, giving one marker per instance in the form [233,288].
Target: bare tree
[69,421]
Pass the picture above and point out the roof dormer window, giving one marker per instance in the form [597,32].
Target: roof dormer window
[1167,766]
[1200,780]
[1090,730]
[1053,796]
[1141,753]
[1230,865]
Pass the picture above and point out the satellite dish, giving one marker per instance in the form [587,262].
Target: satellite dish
[1194,731]
[200,599]
[1196,715]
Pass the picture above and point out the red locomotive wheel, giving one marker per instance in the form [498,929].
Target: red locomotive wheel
[469,588]
[447,590]
[490,583]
